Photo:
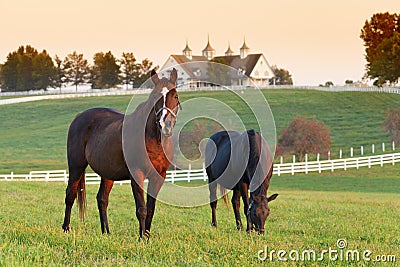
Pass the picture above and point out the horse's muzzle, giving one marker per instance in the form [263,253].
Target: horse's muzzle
[166,130]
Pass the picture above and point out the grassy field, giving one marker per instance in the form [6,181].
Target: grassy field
[311,213]
[33,135]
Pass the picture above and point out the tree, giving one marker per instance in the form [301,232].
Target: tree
[129,69]
[392,125]
[10,73]
[59,76]
[17,70]
[375,31]
[304,135]
[349,82]
[1,76]
[105,72]
[387,66]
[219,73]
[282,76]
[76,69]
[43,71]
[143,72]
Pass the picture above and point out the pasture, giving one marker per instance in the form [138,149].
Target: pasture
[33,135]
[311,213]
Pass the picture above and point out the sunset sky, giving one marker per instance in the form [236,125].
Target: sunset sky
[317,41]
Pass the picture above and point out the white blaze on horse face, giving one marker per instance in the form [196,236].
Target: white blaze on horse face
[164,92]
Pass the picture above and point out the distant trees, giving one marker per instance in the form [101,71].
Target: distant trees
[76,69]
[282,76]
[392,125]
[302,136]
[129,69]
[381,36]
[105,71]
[59,75]
[43,71]
[26,69]
[143,72]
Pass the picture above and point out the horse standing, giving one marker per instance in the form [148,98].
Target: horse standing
[119,147]
[238,161]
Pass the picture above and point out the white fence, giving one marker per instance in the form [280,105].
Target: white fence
[200,174]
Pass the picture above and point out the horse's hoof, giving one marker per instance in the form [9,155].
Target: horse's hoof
[65,228]
[147,234]
[214,225]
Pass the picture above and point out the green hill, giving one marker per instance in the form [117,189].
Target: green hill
[33,135]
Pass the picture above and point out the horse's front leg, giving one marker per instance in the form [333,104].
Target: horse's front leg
[244,191]
[152,192]
[236,208]
[137,190]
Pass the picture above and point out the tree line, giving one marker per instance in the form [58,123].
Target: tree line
[27,69]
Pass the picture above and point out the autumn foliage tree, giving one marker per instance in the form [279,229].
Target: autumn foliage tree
[381,36]
[392,125]
[302,136]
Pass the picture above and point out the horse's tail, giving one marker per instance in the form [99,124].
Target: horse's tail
[82,197]
[224,193]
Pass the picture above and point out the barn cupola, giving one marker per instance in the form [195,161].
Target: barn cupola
[187,51]
[229,51]
[208,51]
[244,50]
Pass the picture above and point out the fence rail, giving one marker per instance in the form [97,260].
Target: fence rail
[200,174]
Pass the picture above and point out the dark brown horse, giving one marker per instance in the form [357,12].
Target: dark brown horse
[118,147]
[239,161]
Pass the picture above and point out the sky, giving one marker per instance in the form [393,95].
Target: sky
[317,41]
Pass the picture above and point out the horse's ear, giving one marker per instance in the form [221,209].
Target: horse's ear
[173,76]
[272,197]
[154,76]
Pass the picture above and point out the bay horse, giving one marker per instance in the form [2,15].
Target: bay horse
[239,161]
[120,146]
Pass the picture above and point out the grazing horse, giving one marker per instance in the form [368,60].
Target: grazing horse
[121,146]
[238,161]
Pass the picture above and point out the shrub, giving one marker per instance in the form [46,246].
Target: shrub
[392,125]
[302,136]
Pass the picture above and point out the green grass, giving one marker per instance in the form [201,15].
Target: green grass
[33,135]
[312,211]
[301,218]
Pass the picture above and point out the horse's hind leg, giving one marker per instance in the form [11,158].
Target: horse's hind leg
[236,208]
[71,193]
[213,202]
[102,203]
